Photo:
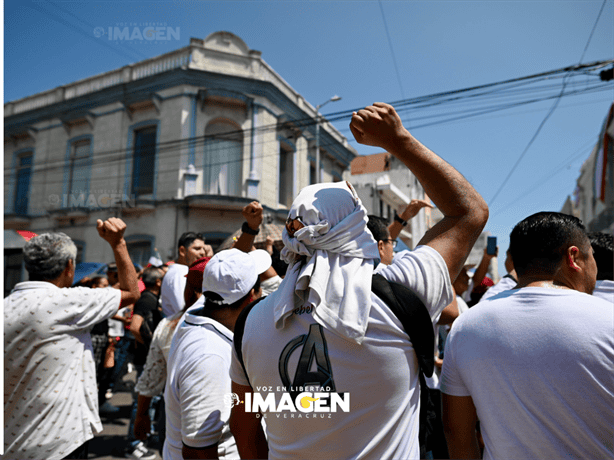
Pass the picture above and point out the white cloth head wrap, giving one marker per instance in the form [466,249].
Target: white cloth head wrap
[335,279]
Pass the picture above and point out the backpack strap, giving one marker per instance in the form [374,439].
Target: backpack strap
[238,333]
[414,317]
[416,321]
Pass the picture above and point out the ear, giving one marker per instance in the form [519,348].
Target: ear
[69,272]
[70,266]
[380,246]
[572,255]
[182,251]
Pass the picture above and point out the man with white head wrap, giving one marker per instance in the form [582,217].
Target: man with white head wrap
[324,334]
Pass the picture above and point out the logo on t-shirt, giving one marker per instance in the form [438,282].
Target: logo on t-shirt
[313,368]
[312,389]
[231,400]
[264,401]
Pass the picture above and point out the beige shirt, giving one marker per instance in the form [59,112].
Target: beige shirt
[50,396]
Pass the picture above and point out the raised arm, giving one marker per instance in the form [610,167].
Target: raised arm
[465,212]
[112,231]
[411,211]
[253,218]
[247,428]
[482,269]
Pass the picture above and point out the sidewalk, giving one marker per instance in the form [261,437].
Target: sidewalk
[111,443]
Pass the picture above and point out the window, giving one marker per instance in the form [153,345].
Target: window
[312,172]
[80,248]
[215,239]
[78,169]
[22,191]
[140,252]
[286,179]
[223,159]
[143,167]
[13,261]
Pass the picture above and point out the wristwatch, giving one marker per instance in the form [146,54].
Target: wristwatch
[247,229]
[399,220]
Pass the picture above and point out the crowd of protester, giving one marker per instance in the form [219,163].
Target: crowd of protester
[518,369]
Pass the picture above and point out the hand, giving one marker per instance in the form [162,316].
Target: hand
[490,256]
[111,230]
[413,208]
[269,245]
[378,125]
[142,426]
[438,362]
[253,215]
[208,250]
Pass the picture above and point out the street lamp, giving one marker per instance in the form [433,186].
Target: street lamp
[318,107]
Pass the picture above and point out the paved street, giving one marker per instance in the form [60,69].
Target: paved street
[111,443]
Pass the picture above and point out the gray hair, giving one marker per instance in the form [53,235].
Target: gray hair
[46,255]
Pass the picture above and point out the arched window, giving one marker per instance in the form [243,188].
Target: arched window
[223,158]
[22,190]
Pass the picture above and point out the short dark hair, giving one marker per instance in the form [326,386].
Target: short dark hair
[538,243]
[378,226]
[213,296]
[188,238]
[277,263]
[151,275]
[602,244]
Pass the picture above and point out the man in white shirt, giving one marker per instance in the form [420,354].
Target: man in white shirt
[50,396]
[333,363]
[191,247]
[535,363]
[506,283]
[603,247]
[198,382]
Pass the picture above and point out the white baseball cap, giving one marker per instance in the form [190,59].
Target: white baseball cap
[233,273]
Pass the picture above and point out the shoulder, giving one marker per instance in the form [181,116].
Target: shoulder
[424,271]
[176,270]
[423,260]
[88,295]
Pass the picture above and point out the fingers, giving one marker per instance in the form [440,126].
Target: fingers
[253,208]
[421,203]
[113,226]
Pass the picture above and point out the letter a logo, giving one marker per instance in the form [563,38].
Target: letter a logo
[313,368]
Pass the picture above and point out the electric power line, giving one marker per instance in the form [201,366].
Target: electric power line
[394,58]
[541,125]
[507,89]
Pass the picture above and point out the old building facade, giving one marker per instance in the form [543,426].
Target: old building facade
[178,142]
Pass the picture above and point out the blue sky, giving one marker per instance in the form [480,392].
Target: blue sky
[323,48]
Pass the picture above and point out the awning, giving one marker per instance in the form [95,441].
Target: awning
[16,239]
[87,269]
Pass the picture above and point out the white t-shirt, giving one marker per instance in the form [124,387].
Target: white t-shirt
[505,284]
[116,327]
[171,292]
[50,396]
[269,286]
[380,375]
[434,381]
[539,366]
[605,290]
[196,385]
